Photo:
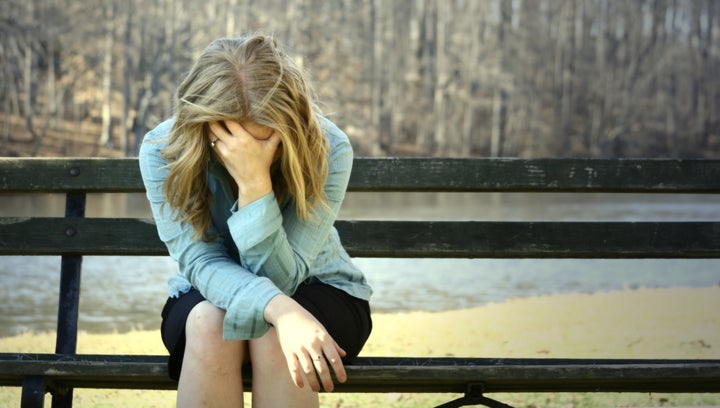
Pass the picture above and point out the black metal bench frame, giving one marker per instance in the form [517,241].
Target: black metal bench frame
[74,236]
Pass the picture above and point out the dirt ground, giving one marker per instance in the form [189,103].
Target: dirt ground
[643,323]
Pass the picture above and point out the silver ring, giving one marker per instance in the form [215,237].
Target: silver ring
[318,358]
[212,144]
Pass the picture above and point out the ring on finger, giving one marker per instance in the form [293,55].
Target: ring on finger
[318,358]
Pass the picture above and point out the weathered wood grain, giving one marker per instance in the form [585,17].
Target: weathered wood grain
[77,236]
[406,174]
[395,239]
[388,374]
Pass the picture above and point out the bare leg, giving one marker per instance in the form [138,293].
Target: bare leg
[272,384]
[211,370]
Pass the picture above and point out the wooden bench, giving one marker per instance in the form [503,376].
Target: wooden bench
[74,236]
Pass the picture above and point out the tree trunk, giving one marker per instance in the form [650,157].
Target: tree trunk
[671,113]
[710,71]
[704,41]
[439,146]
[427,67]
[640,49]
[128,77]
[472,82]
[498,122]
[106,129]
[376,44]
[564,73]
[230,18]
[29,86]
[500,97]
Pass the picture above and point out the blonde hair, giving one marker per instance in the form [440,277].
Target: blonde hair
[245,79]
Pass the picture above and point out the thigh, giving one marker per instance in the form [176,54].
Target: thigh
[346,318]
[174,319]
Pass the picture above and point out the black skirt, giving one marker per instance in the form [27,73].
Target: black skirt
[346,318]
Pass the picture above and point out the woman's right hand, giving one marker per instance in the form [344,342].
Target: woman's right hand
[309,350]
[246,156]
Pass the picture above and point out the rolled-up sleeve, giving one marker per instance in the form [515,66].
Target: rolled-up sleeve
[206,265]
[277,244]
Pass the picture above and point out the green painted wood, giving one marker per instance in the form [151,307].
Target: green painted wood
[406,174]
[399,239]
[479,239]
[549,175]
[425,375]
[79,236]
[37,175]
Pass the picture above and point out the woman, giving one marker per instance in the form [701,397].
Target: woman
[245,182]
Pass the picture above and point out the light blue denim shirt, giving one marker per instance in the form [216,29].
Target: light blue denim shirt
[260,250]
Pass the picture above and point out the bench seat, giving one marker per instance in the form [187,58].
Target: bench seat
[395,374]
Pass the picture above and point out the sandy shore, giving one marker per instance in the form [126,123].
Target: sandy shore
[644,323]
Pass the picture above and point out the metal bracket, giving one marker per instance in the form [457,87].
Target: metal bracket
[474,396]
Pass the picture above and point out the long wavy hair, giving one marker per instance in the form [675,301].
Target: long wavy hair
[245,79]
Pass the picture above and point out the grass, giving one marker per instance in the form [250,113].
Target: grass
[643,323]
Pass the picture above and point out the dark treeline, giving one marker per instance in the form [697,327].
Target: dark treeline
[523,78]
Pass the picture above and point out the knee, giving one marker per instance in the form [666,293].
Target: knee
[266,352]
[205,322]
[204,335]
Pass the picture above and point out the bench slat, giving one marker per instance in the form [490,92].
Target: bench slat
[417,239]
[535,175]
[402,174]
[463,239]
[427,375]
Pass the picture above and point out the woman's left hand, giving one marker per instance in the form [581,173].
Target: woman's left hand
[309,350]
[247,157]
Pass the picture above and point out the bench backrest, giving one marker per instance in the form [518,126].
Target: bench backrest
[76,235]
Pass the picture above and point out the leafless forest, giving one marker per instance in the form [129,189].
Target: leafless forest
[528,78]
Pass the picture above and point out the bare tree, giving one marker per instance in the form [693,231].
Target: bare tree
[500,98]
[421,77]
[106,130]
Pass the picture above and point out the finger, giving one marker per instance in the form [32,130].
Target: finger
[217,131]
[333,355]
[236,129]
[308,368]
[339,349]
[295,371]
[273,141]
[323,371]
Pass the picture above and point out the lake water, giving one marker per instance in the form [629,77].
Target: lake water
[124,293]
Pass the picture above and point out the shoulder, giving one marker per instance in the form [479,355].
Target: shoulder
[340,155]
[338,141]
[333,133]
[152,145]
[156,139]
[160,133]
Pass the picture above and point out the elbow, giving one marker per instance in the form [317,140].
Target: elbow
[193,264]
[291,276]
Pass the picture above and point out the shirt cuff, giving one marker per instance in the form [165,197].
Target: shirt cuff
[253,223]
[245,316]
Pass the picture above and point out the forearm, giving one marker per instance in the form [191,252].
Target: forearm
[232,288]
[263,246]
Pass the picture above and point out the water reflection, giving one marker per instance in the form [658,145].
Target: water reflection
[439,206]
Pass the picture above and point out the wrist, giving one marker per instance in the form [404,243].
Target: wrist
[278,307]
[250,191]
